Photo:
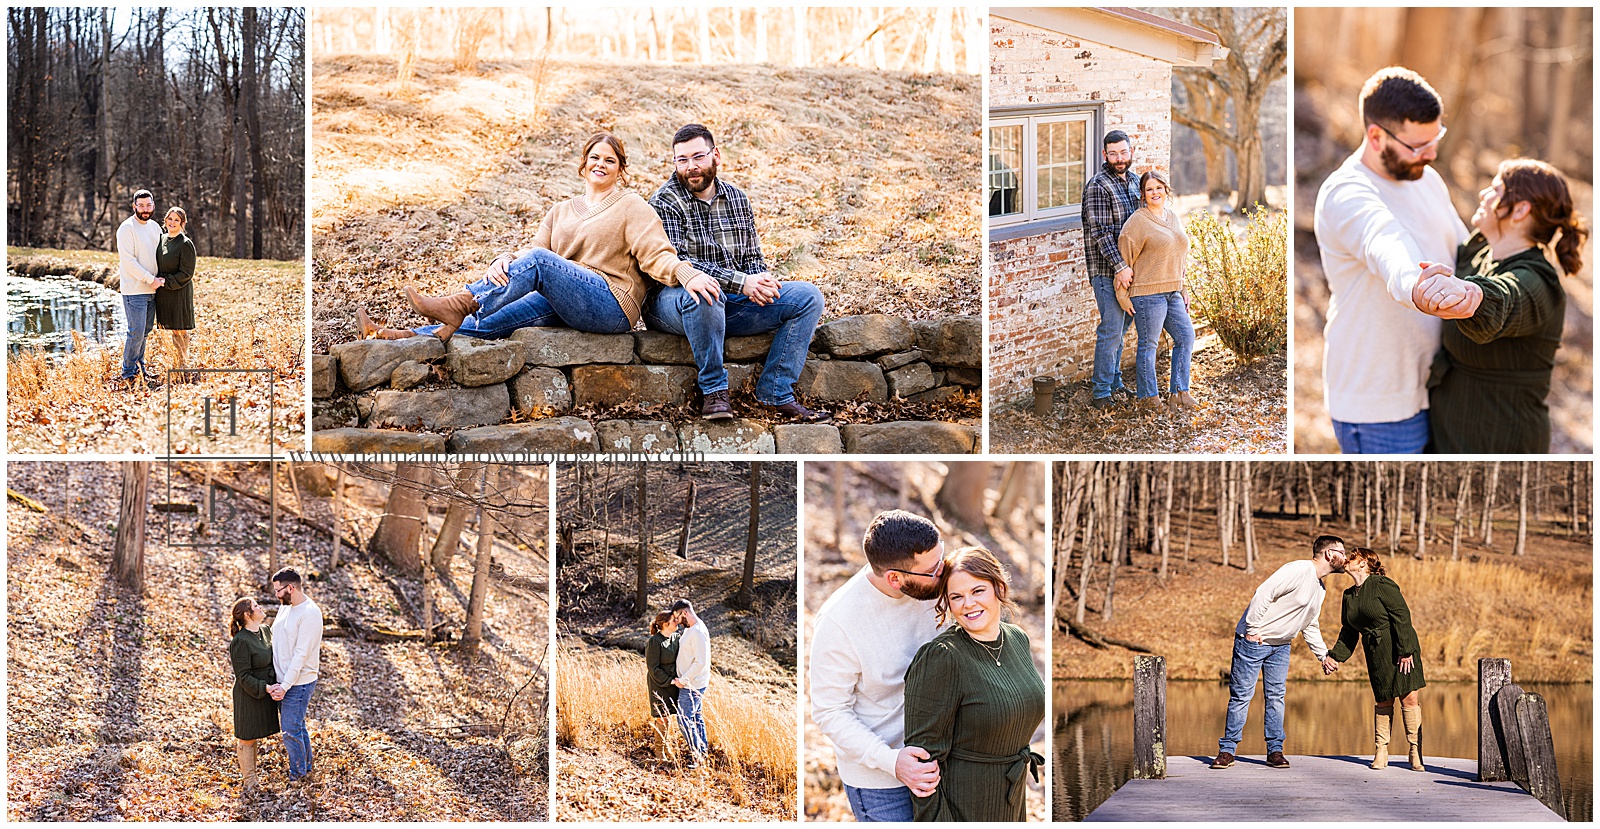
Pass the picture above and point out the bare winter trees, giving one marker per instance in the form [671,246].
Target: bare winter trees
[127,555]
[205,107]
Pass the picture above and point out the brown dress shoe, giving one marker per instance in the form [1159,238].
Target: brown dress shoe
[371,331]
[449,311]
[800,414]
[1224,760]
[716,406]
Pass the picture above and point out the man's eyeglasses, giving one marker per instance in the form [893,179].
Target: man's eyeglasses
[937,569]
[1416,151]
[697,159]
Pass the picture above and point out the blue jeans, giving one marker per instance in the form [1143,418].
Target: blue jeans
[1401,437]
[141,313]
[1151,314]
[1108,336]
[692,719]
[880,805]
[542,290]
[292,719]
[1271,662]
[793,315]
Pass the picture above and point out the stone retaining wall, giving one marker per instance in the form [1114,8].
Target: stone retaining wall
[420,395]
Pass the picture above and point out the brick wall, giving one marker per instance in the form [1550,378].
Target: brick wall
[1042,314]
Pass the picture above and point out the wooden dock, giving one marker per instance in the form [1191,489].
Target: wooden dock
[1322,789]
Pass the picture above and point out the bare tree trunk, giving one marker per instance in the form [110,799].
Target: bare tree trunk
[1247,517]
[1396,509]
[1463,491]
[838,506]
[961,496]
[480,573]
[1166,522]
[399,533]
[1072,486]
[1489,492]
[1011,486]
[641,598]
[1572,498]
[1522,515]
[1311,487]
[127,554]
[1225,509]
[338,511]
[688,520]
[1189,476]
[747,585]
[1366,504]
[427,602]
[449,538]
[1422,513]
[1118,537]
[1096,498]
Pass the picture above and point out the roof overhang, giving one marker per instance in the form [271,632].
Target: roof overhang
[1129,29]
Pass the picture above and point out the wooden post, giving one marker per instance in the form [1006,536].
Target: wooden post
[1150,717]
[1505,720]
[1539,751]
[1493,674]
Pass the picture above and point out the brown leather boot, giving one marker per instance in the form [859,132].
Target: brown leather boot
[449,310]
[371,331]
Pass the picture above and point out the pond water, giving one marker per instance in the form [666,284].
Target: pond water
[1093,725]
[41,314]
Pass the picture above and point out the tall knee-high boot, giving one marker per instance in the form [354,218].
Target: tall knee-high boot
[1412,716]
[247,766]
[1382,726]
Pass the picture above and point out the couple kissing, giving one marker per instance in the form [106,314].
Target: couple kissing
[929,698]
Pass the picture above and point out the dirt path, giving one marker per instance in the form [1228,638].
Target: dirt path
[120,704]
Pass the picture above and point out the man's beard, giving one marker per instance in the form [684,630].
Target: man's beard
[708,177]
[1401,170]
[920,592]
[1119,167]
[144,215]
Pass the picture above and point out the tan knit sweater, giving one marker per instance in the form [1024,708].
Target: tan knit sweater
[621,239]
[1156,249]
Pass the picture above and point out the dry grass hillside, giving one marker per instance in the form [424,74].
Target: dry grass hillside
[606,767]
[863,183]
[1536,609]
[119,705]
[249,314]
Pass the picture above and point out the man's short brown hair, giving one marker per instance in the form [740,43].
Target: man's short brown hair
[1395,95]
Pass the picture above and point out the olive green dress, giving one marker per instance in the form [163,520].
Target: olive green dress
[255,712]
[661,657]
[976,719]
[1488,385]
[175,300]
[1376,613]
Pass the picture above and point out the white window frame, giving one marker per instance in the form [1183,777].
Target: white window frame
[1029,174]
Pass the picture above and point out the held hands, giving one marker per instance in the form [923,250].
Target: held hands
[703,288]
[1329,666]
[1124,278]
[160,282]
[1439,293]
[1405,664]
[276,692]
[912,767]
[762,289]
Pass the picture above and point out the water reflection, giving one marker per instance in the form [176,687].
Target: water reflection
[1093,724]
[41,314]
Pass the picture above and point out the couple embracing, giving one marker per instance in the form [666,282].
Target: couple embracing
[929,698]
[688,262]
[155,274]
[1373,614]
[678,657]
[275,671]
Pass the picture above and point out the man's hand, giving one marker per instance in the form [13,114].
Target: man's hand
[703,288]
[1405,664]
[160,282]
[1439,293]
[1329,666]
[1253,637]
[913,768]
[762,289]
[276,692]
[496,272]
[1124,278]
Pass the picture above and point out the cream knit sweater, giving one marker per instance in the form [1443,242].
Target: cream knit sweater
[1156,249]
[621,239]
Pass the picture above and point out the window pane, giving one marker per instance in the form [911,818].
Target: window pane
[1059,161]
[1004,170]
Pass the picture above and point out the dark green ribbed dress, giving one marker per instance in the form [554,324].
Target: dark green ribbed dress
[1487,389]
[255,712]
[175,300]
[1376,613]
[661,657]
[976,719]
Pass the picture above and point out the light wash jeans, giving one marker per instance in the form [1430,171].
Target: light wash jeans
[140,309]
[1151,314]
[692,719]
[793,315]
[1271,663]
[292,719]
[880,805]
[1401,437]
[542,290]
[1108,337]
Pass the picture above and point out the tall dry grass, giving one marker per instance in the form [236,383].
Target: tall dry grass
[601,704]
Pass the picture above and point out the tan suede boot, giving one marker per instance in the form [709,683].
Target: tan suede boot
[371,331]
[1412,717]
[247,767]
[448,311]
[1383,724]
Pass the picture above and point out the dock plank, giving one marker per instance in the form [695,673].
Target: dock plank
[1321,788]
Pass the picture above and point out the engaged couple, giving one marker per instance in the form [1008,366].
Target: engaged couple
[155,265]
[678,657]
[929,698]
[688,262]
[275,672]
[1373,614]
[1438,338]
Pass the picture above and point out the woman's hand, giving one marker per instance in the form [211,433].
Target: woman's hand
[703,288]
[1405,664]
[1439,293]
[496,272]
